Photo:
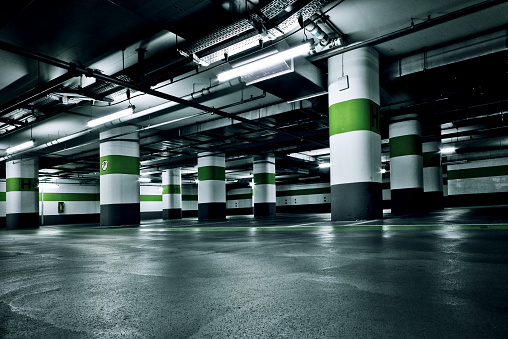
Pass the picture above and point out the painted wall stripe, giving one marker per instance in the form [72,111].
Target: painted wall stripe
[239,196]
[354,115]
[171,189]
[150,197]
[308,191]
[431,159]
[70,197]
[189,197]
[3,196]
[22,184]
[211,173]
[119,164]
[264,178]
[405,145]
[402,172]
[476,172]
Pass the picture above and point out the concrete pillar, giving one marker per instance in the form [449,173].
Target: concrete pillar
[2,203]
[432,175]
[355,140]
[264,185]
[22,197]
[211,186]
[406,165]
[119,183]
[171,194]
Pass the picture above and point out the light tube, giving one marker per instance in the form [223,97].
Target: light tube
[110,117]
[145,180]
[20,147]
[265,62]
[324,165]
[447,150]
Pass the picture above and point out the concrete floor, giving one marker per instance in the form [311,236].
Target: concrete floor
[291,276]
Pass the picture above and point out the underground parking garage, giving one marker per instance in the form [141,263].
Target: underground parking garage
[253,169]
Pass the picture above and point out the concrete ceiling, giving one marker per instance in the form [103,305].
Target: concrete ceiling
[445,60]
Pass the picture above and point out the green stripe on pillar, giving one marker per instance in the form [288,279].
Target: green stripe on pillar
[70,196]
[211,173]
[354,115]
[22,184]
[150,197]
[239,196]
[477,172]
[3,196]
[189,197]
[405,145]
[171,189]
[119,164]
[264,178]
[431,159]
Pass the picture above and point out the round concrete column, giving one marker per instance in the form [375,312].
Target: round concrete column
[432,175]
[264,185]
[211,186]
[22,194]
[406,165]
[2,203]
[171,194]
[119,173]
[355,140]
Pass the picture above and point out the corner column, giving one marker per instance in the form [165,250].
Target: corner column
[432,175]
[355,140]
[406,165]
[22,194]
[264,186]
[2,203]
[211,186]
[171,194]
[119,176]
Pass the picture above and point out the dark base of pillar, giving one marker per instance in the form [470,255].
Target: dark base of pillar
[433,200]
[407,200]
[2,222]
[357,201]
[18,221]
[120,214]
[174,213]
[212,211]
[266,209]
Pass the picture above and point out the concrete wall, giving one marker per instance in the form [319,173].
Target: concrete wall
[2,203]
[189,200]
[150,201]
[239,201]
[80,203]
[298,198]
[478,182]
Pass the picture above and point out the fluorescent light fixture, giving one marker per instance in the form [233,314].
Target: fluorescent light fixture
[251,184]
[149,173]
[19,147]
[324,165]
[308,97]
[145,180]
[265,62]
[382,171]
[110,117]
[447,150]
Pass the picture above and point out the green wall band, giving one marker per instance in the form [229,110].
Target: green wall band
[189,197]
[119,164]
[239,196]
[478,172]
[22,184]
[405,145]
[264,178]
[431,159]
[211,173]
[150,197]
[70,197]
[308,191]
[3,196]
[171,189]
[354,115]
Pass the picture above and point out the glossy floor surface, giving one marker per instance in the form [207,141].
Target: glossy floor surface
[437,275]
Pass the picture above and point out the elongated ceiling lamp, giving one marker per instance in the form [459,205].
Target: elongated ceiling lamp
[265,62]
[19,147]
[110,117]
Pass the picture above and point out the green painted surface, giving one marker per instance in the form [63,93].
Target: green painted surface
[3,196]
[119,164]
[405,145]
[211,173]
[189,197]
[171,189]
[150,197]
[385,185]
[354,115]
[264,179]
[239,196]
[431,159]
[70,197]
[308,191]
[478,172]
[22,184]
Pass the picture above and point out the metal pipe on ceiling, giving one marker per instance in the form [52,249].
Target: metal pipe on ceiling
[408,30]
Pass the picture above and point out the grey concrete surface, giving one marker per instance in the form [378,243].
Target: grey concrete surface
[290,276]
